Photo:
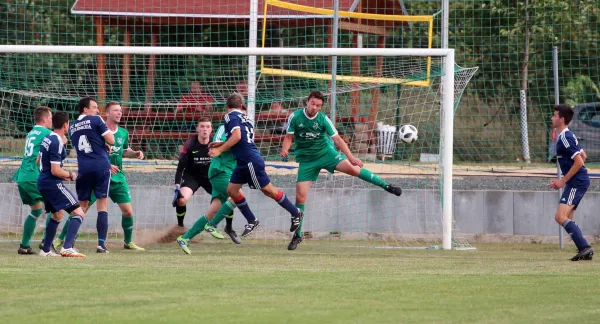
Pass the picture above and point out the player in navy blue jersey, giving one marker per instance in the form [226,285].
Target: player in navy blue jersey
[90,137]
[575,180]
[250,167]
[57,198]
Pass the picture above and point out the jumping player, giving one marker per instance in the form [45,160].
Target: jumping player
[311,129]
[250,168]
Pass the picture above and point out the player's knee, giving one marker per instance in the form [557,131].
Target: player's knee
[181,201]
[300,197]
[354,171]
[233,193]
[127,212]
[560,217]
[57,216]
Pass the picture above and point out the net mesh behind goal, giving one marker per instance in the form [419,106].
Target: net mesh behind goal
[340,209]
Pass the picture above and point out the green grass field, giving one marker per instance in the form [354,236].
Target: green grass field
[224,283]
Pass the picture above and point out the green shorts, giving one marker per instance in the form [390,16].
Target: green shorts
[309,171]
[30,195]
[219,182]
[118,193]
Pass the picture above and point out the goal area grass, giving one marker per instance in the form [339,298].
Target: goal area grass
[253,283]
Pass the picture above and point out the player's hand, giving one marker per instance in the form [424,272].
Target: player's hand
[284,153]
[72,176]
[140,155]
[355,161]
[556,184]
[108,148]
[215,144]
[114,169]
[214,152]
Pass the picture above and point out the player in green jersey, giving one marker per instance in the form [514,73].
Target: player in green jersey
[311,130]
[27,175]
[118,190]
[219,174]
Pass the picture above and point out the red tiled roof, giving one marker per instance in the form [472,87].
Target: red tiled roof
[190,8]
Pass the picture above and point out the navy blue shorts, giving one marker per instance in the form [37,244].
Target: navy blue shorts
[253,174]
[57,198]
[572,195]
[97,182]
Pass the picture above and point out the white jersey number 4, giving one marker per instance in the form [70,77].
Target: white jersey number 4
[84,144]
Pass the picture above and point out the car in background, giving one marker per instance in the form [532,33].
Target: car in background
[586,126]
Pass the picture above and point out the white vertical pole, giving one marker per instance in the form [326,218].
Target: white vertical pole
[556,102]
[446,163]
[445,22]
[447,148]
[252,59]
[334,44]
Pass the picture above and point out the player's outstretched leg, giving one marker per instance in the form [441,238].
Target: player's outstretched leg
[29,229]
[368,176]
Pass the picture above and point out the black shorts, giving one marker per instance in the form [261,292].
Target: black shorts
[189,181]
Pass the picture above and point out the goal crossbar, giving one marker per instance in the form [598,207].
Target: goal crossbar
[236,51]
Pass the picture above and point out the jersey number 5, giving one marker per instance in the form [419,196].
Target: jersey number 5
[84,144]
[250,134]
[29,146]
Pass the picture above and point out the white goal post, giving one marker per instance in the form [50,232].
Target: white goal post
[447,87]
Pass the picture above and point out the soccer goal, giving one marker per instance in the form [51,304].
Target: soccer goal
[391,88]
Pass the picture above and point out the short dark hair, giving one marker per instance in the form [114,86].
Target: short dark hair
[85,103]
[59,119]
[204,120]
[316,94]
[41,112]
[244,107]
[564,111]
[235,100]
[111,103]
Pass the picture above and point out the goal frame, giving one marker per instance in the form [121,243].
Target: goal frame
[447,87]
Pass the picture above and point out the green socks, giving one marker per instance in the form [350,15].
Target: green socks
[372,178]
[29,226]
[225,210]
[127,224]
[299,230]
[196,229]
